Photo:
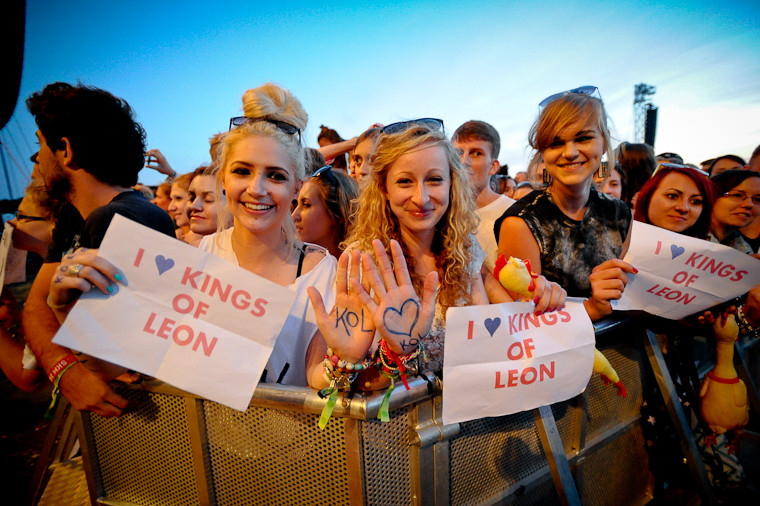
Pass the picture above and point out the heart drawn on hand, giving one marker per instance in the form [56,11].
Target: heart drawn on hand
[676,250]
[163,264]
[394,320]
[492,325]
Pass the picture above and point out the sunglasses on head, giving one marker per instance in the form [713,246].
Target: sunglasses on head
[679,166]
[282,126]
[582,90]
[403,126]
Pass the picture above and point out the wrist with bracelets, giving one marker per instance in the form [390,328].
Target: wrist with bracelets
[54,375]
[339,374]
[745,328]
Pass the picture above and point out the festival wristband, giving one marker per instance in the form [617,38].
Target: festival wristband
[62,365]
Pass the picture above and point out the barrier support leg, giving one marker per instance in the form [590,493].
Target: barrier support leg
[740,362]
[555,456]
[680,424]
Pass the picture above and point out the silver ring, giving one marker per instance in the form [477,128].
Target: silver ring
[74,269]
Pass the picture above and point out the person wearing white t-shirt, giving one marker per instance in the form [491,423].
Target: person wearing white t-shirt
[478,143]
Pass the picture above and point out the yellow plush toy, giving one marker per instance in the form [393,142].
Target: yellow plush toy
[515,275]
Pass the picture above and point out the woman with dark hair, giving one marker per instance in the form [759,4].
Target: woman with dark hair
[637,162]
[677,198]
[724,163]
[329,137]
[737,204]
[325,205]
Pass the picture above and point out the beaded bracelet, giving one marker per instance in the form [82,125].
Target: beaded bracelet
[392,366]
[745,328]
[340,375]
[345,366]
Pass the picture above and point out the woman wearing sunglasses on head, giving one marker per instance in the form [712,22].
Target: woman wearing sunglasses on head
[569,228]
[325,205]
[261,168]
[416,222]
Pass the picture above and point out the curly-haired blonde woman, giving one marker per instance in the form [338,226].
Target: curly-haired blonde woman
[417,208]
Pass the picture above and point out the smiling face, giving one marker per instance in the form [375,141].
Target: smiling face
[313,222]
[260,183]
[179,198]
[417,188]
[202,207]
[676,204]
[575,154]
[736,208]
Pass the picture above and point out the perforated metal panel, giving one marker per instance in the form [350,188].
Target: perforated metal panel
[387,465]
[145,458]
[266,456]
[492,454]
[543,495]
[618,473]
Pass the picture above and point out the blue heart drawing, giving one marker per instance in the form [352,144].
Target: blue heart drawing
[163,264]
[406,307]
[676,250]
[492,325]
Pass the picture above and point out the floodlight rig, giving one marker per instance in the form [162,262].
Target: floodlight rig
[645,113]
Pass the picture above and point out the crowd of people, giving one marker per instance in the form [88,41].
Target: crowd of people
[399,215]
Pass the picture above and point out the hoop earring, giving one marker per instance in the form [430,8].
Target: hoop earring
[546,178]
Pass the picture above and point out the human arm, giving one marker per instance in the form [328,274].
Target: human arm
[516,240]
[157,161]
[333,150]
[83,389]
[608,281]
[12,347]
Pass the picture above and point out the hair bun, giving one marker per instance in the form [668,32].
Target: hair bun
[275,102]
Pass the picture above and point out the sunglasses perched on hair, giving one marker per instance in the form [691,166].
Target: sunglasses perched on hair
[282,126]
[403,126]
[666,165]
[20,217]
[582,90]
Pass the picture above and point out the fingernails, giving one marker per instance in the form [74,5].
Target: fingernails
[109,288]
[635,270]
[118,276]
[536,299]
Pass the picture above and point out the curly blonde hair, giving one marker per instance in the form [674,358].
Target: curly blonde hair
[453,241]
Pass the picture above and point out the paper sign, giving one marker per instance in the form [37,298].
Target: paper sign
[501,358]
[187,317]
[680,275]
[5,246]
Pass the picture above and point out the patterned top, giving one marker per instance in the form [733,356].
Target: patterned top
[570,249]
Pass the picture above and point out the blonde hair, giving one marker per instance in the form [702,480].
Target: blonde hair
[453,241]
[562,112]
[267,102]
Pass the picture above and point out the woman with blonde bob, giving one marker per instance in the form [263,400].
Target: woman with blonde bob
[261,168]
[568,229]
[417,209]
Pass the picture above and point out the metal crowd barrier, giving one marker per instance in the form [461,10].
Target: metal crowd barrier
[175,448]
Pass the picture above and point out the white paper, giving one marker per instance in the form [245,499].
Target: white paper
[501,359]
[680,275]
[175,296]
[5,246]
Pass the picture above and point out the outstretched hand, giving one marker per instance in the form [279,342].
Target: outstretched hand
[348,329]
[157,161]
[396,310]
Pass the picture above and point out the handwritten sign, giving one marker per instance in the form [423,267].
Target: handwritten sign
[12,260]
[5,246]
[186,317]
[680,275]
[501,359]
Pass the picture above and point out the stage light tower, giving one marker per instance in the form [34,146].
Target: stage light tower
[645,113]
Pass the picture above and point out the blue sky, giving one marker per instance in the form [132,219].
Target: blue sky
[184,66]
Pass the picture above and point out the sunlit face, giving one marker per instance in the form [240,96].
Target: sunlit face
[31,234]
[202,207]
[57,182]
[575,154]
[260,182]
[736,207]
[477,159]
[725,164]
[313,222]
[179,198]
[418,185]
[676,204]
[612,187]
[162,199]
[509,187]
[361,154]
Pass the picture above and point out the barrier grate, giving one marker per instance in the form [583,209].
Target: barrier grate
[387,459]
[145,458]
[282,455]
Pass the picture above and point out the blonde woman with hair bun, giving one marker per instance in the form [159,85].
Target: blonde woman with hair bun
[261,166]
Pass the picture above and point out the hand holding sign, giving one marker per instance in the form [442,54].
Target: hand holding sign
[608,281]
[349,328]
[396,309]
[80,272]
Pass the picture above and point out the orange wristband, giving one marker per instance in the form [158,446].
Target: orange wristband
[62,364]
